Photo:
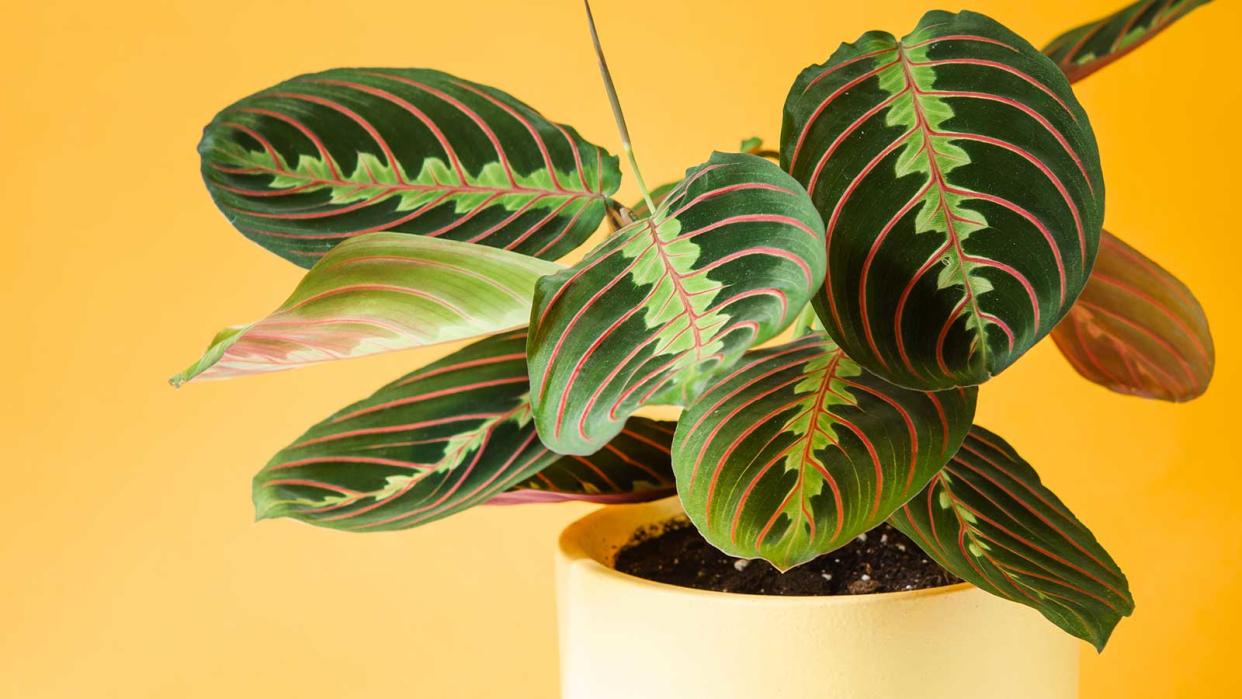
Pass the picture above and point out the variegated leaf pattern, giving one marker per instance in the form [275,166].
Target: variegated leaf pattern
[633,467]
[798,450]
[658,195]
[377,293]
[752,145]
[451,435]
[1086,49]
[987,519]
[1136,329]
[961,187]
[443,438]
[726,262]
[323,157]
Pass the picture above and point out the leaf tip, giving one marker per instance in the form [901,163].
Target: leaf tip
[265,505]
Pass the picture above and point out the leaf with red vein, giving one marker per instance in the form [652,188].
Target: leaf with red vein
[798,450]
[1083,50]
[324,157]
[377,293]
[633,467]
[451,435]
[987,518]
[726,262]
[658,195]
[960,183]
[1137,330]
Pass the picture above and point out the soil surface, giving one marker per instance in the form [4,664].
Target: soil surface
[882,560]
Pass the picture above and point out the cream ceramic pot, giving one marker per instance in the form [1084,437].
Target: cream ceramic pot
[624,637]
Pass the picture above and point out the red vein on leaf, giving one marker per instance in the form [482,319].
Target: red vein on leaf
[383,288]
[1028,543]
[353,116]
[1039,165]
[1025,109]
[459,366]
[526,123]
[1003,68]
[265,144]
[1189,333]
[429,395]
[846,133]
[962,37]
[844,64]
[742,435]
[819,109]
[388,429]
[866,271]
[840,205]
[349,459]
[1175,353]
[906,418]
[304,129]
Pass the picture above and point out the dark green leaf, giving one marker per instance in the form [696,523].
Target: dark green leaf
[633,467]
[658,195]
[1086,49]
[451,435]
[726,262]
[987,519]
[323,157]
[961,186]
[798,450]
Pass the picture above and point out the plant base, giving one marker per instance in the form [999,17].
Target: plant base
[625,637]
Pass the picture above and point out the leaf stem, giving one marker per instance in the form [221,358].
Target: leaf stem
[611,89]
[618,215]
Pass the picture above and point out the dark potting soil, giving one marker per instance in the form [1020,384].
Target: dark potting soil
[882,560]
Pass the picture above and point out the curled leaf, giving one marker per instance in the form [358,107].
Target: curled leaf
[378,293]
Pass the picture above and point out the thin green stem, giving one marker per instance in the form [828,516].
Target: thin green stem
[611,89]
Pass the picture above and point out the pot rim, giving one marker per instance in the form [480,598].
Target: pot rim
[572,550]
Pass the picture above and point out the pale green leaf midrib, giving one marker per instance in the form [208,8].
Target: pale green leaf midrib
[940,210]
[374,179]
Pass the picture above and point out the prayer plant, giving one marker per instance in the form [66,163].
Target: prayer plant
[935,211]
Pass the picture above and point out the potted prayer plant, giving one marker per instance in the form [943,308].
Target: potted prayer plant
[823,315]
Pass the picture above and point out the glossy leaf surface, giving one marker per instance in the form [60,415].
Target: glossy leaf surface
[1136,329]
[798,450]
[377,293]
[987,519]
[633,467]
[1084,50]
[726,262]
[961,187]
[323,157]
[451,435]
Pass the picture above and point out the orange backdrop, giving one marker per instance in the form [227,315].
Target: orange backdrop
[129,562]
